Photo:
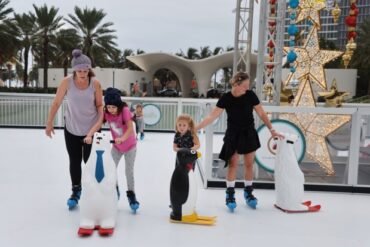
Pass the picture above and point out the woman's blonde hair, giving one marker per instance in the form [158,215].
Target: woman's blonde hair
[238,78]
[187,118]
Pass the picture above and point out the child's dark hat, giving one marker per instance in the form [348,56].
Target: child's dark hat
[113,97]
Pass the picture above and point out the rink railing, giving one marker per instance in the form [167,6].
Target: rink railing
[31,110]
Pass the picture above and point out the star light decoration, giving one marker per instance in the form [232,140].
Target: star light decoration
[316,127]
[309,9]
[310,60]
[310,69]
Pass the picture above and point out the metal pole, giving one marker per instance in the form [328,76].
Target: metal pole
[236,37]
[113,77]
[248,50]
[243,36]
[275,74]
[279,44]
[354,149]
[261,48]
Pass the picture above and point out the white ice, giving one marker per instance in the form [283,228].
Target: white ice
[35,184]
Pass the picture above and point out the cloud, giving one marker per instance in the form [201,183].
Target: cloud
[164,25]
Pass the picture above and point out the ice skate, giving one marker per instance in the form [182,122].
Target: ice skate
[250,199]
[73,200]
[230,199]
[134,204]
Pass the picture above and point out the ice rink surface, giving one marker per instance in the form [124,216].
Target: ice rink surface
[35,185]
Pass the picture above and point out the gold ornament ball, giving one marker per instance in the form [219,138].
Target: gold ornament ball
[351,29]
[352,46]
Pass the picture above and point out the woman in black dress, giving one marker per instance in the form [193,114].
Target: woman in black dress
[241,137]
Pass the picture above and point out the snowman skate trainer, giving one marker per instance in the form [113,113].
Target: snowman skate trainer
[183,190]
[99,199]
[289,179]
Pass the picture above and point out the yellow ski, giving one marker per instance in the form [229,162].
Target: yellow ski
[196,220]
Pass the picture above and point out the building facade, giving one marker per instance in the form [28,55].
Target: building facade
[331,31]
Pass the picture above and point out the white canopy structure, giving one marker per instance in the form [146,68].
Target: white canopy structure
[185,69]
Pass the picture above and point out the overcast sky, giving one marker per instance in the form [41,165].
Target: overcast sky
[162,25]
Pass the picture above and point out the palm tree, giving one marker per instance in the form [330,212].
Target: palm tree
[180,53]
[126,53]
[361,59]
[205,52]
[26,27]
[97,38]
[139,51]
[192,54]
[217,50]
[8,34]
[65,42]
[47,23]
[117,60]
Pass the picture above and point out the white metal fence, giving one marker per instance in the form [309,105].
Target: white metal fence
[31,110]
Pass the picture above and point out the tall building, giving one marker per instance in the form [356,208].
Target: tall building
[364,8]
[331,31]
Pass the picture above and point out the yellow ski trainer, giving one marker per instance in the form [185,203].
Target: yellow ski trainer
[196,219]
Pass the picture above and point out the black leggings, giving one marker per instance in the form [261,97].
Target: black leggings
[76,149]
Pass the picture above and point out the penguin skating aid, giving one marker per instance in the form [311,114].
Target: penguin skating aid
[183,190]
[289,179]
[99,200]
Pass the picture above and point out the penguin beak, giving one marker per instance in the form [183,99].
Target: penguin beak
[199,154]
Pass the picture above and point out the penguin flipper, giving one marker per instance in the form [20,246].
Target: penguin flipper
[179,188]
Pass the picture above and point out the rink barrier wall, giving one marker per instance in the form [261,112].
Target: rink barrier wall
[18,110]
[307,187]
[31,111]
